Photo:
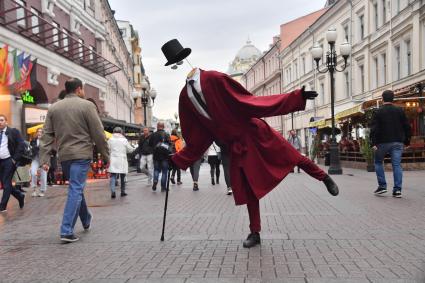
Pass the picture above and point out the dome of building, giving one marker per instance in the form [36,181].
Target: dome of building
[244,59]
[248,51]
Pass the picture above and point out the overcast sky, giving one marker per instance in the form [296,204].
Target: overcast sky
[214,29]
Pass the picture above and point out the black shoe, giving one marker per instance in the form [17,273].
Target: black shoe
[172,181]
[163,189]
[212,181]
[252,240]
[195,187]
[123,194]
[69,238]
[380,191]
[154,186]
[397,193]
[179,183]
[3,209]
[331,186]
[113,195]
[21,201]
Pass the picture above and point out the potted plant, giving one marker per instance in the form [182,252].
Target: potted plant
[368,153]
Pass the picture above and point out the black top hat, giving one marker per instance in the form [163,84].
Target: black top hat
[174,52]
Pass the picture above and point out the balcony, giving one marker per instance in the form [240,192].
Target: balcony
[24,22]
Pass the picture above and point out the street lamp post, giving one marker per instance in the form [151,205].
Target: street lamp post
[134,95]
[331,67]
[147,93]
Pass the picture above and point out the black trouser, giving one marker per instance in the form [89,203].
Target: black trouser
[51,176]
[7,169]
[226,168]
[214,165]
[178,171]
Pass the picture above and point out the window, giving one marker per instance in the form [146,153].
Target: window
[91,53]
[384,11]
[20,14]
[295,71]
[65,40]
[303,66]
[397,6]
[361,74]
[375,13]
[123,32]
[138,78]
[34,21]
[347,83]
[361,27]
[383,69]
[321,99]
[55,33]
[80,48]
[397,62]
[290,75]
[375,72]
[408,57]
[346,33]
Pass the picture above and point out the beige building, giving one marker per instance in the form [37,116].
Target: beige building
[388,52]
[243,60]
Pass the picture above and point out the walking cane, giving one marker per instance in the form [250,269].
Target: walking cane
[165,206]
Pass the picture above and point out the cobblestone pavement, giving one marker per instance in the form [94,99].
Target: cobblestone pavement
[308,235]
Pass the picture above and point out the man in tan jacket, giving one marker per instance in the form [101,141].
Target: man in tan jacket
[74,125]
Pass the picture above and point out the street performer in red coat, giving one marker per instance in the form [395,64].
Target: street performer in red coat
[214,107]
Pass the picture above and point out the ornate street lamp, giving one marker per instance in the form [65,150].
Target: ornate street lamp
[147,93]
[331,67]
[135,95]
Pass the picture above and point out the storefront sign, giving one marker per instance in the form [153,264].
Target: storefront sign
[35,115]
[27,98]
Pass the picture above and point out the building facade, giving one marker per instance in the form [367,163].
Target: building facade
[388,52]
[243,60]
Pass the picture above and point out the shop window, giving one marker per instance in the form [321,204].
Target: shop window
[20,13]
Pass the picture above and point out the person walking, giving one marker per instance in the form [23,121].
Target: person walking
[194,172]
[161,144]
[36,167]
[390,130]
[118,166]
[225,161]
[11,150]
[177,145]
[51,178]
[145,152]
[295,141]
[74,125]
[214,160]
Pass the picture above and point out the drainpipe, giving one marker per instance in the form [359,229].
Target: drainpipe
[351,50]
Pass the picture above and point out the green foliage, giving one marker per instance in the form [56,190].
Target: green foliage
[367,150]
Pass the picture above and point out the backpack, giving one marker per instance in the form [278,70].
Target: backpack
[27,155]
[162,149]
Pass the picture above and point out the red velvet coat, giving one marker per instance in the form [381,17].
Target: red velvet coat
[260,156]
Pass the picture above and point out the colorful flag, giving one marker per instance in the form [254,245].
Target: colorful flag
[17,66]
[4,65]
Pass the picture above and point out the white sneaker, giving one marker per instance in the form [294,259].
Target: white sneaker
[34,194]
[229,191]
[41,194]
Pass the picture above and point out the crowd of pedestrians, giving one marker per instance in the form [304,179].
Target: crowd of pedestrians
[73,127]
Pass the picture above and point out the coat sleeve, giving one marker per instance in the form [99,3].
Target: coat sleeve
[20,146]
[197,138]
[128,147]
[242,101]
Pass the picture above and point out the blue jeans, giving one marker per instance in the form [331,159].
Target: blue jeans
[160,166]
[113,180]
[76,172]
[395,149]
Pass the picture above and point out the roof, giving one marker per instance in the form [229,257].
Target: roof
[291,30]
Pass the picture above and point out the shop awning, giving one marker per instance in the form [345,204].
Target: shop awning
[356,110]
[323,123]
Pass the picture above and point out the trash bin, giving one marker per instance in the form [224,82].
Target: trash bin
[327,159]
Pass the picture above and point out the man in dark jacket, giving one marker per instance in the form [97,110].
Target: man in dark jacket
[145,152]
[161,144]
[390,129]
[11,150]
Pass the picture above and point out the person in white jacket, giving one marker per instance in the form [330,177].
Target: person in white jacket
[118,149]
